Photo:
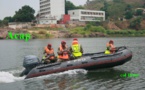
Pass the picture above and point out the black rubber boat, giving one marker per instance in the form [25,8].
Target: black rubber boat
[89,61]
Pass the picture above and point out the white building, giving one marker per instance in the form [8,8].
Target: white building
[51,11]
[19,25]
[86,15]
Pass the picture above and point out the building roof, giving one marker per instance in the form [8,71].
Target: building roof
[86,10]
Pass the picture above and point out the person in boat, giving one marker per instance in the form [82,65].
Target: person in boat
[110,48]
[49,56]
[63,52]
[76,49]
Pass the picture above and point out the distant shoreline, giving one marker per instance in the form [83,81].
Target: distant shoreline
[40,33]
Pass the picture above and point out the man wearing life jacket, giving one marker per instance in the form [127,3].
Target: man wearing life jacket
[110,47]
[49,54]
[63,52]
[76,49]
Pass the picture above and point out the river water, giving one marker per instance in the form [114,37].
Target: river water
[12,53]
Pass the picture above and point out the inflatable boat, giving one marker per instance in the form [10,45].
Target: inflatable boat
[90,61]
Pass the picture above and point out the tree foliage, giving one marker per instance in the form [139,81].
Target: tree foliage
[128,12]
[79,7]
[128,8]
[139,12]
[105,8]
[0,23]
[114,10]
[135,23]
[25,14]
[128,15]
[70,6]
[9,19]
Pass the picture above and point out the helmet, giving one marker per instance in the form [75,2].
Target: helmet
[63,42]
[111,41]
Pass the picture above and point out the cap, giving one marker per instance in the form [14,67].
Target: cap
[63,42]
[111,41]
[49,45]
[75,39]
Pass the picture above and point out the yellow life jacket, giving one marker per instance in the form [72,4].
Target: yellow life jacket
[107,52]
[76,50]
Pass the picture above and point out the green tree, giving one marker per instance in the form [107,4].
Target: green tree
[25,14]
[139,12]
[69,6]
[128,15]
[105,8]
[117,1]
[0,23]
[128,8]
[87,27]
[135,24]
[128,12]
[79,7]
[116,10]
[9,19]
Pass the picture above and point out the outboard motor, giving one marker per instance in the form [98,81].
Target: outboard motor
[29,63]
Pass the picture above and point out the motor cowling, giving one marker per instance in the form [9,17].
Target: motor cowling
[30,62]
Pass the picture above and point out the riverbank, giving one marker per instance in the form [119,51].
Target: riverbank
[87,31]
[98,31]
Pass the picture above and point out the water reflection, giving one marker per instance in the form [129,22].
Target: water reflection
[91,81]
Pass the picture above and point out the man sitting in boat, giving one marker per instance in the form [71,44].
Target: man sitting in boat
[63,52]
[76,49]
[110,48]
[49,54]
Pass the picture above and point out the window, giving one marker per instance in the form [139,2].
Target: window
[82,12]
[73,13]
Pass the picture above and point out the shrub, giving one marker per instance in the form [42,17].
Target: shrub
[87,27]
[42,32]
[97,29]
[135,23]
[34,35]
[48,35]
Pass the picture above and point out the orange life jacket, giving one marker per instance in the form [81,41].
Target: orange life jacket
[64,55]
[49,52]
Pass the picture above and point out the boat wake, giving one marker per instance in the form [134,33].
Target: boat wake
[11,76]
[8,77]
[69,73]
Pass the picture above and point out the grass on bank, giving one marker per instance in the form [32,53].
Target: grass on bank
[41,34]
[87,31]
[117,33]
